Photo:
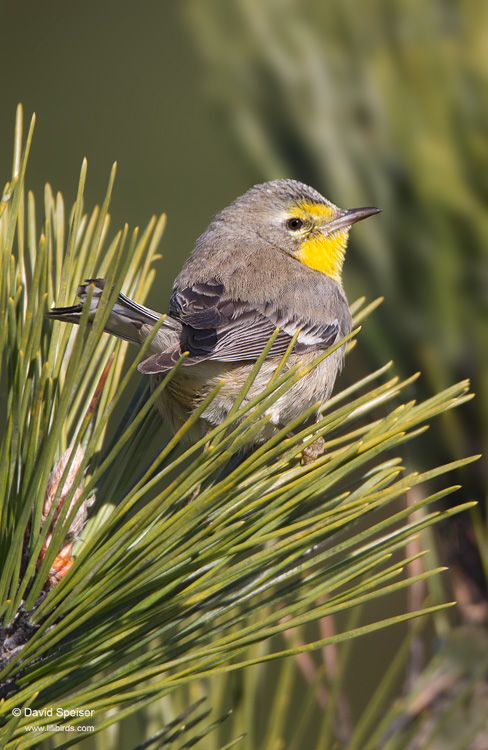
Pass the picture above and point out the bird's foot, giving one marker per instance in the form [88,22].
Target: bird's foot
[313,451]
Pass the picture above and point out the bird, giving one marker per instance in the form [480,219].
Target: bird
[271,259]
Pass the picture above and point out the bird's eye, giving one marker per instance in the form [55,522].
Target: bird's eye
[294,224]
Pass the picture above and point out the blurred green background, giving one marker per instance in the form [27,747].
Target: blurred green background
[115,81]
[382,103]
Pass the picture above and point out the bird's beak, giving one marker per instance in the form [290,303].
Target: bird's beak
[348,217]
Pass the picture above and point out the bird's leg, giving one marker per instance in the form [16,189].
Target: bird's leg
[312,451]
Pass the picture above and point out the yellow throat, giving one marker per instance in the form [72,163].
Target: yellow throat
[324,253]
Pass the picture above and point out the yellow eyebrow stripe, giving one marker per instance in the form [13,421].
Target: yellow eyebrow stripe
[314,210]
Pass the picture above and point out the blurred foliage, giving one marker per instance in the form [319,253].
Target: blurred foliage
[380,103]
[447,708]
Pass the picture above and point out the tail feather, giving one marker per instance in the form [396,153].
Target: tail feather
[126,317]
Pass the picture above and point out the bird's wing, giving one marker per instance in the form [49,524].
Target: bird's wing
[217,327]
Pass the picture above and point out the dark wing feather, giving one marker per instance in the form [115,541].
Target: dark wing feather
[199,306]
[216,327]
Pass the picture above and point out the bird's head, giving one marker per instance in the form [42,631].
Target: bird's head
[297,220]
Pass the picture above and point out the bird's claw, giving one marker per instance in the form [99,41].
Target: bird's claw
[313,451]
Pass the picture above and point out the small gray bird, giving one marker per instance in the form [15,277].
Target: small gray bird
[272,259]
